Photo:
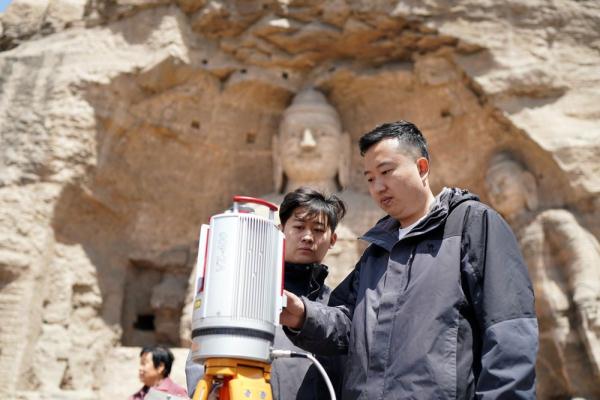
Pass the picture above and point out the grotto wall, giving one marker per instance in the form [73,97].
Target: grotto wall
[125,124]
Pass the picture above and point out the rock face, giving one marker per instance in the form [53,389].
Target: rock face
[564,263]
[125,124]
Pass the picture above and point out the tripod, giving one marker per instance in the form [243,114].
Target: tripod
[234,379]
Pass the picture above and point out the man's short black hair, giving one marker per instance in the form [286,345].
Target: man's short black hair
[315,203]
[160,354]
[407,134]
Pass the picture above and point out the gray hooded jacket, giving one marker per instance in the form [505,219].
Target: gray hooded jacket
[447,312]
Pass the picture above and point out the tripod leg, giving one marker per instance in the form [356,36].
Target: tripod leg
[202,388]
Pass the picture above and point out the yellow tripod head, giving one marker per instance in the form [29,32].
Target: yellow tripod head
[234,379]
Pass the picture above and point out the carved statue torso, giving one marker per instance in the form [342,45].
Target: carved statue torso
[564,263]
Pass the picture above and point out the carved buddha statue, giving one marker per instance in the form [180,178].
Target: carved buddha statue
[312,150]
[564,263]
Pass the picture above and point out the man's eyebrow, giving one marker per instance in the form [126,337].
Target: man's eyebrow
[307,218]
[381,164]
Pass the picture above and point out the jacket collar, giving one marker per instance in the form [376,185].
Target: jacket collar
[304,279]
[385,232]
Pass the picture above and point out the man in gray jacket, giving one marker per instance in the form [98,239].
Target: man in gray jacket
[440,305]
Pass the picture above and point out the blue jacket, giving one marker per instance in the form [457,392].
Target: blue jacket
[447,312]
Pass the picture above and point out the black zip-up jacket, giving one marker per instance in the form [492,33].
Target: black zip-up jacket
[447,312]
[292,378]
[296,378]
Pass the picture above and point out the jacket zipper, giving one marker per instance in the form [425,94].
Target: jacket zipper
[409,264]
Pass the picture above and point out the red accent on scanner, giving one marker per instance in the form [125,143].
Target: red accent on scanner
[247,199]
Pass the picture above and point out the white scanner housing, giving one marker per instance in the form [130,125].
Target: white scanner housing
[239,284]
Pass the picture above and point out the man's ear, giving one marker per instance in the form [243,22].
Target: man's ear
[161,368]
[423,167]
[332,240]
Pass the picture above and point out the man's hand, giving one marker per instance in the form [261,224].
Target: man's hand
[294,313]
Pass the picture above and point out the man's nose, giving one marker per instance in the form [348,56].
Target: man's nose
[378,186]
[308,140]
[307,236]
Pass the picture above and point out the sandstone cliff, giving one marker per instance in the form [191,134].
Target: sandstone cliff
[125,124]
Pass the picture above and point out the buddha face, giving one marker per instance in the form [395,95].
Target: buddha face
[310,143]
[509,188]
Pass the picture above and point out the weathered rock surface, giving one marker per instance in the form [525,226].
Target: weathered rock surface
[125,124]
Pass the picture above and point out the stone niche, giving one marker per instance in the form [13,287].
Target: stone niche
[154,298]
[127,126]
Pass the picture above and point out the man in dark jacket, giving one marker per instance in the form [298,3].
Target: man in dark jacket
[440,305]
[308,220]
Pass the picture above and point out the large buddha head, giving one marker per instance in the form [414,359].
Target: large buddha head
[512,189]
[311,149]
